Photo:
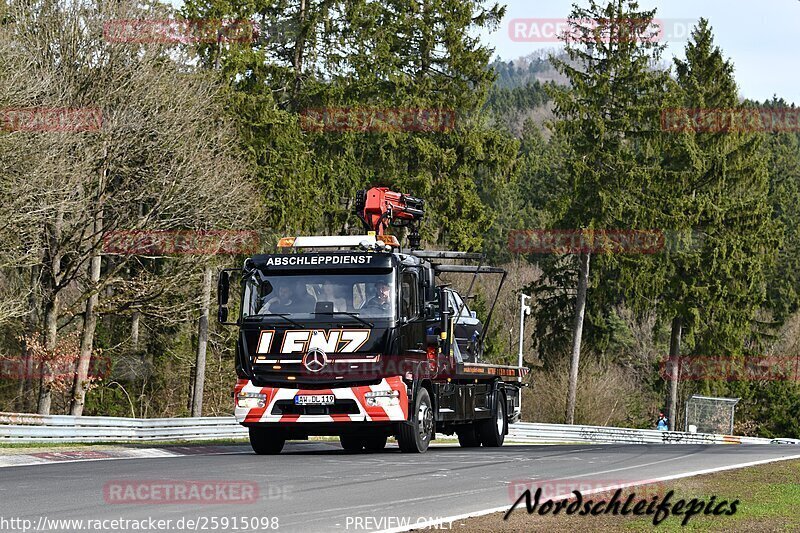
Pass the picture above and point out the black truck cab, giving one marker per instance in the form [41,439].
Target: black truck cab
[362,343]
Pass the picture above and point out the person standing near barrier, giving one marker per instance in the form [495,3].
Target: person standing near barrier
[663,423]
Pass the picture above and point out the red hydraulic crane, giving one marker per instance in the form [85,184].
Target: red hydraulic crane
[378,208]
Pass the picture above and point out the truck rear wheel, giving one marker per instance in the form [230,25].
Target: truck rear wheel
[265,441]
[492,432]
[351,443]
[468,437]
[416,436]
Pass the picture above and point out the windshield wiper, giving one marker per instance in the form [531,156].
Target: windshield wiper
[284,316]
[354,315]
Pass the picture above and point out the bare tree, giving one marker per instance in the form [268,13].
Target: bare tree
[161,157]
[577,335]
[202,344]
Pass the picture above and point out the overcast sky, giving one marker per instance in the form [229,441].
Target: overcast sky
[761,38]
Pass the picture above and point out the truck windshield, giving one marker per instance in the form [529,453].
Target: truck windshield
[301,296]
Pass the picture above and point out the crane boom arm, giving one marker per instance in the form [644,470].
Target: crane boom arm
[378,208]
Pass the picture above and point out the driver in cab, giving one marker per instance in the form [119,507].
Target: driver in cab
[381,303]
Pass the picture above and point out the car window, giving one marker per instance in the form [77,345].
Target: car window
[457,303]
[451,302]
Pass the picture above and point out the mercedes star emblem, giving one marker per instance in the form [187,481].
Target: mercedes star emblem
[315,360]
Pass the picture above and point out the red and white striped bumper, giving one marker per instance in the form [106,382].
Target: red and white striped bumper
[367,413]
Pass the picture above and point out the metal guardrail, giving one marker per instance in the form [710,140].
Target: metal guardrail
[25,428]
[63,428]
[527,432]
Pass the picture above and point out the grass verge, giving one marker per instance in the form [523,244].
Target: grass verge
[769,500]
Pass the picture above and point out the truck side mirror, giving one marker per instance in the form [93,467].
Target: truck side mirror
[223,287]
[223,291]
[473,314]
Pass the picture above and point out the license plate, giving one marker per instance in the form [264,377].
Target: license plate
[315,399]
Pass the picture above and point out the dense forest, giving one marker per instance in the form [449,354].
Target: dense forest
[213,135]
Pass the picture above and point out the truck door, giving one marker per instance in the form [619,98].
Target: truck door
[412,323]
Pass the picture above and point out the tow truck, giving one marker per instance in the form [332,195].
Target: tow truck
[352,336]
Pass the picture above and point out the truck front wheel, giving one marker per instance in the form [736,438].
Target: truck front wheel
[492,431]
[416,436]
[265,441]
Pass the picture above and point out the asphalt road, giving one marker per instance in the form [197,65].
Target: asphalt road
[318,487]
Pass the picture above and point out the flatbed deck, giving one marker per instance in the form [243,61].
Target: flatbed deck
[470,370]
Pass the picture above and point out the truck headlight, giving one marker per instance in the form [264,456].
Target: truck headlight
[251,400]
[387,398]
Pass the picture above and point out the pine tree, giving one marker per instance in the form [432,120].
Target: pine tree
[366,55]
[715,188]
[611,101]
[783,150]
